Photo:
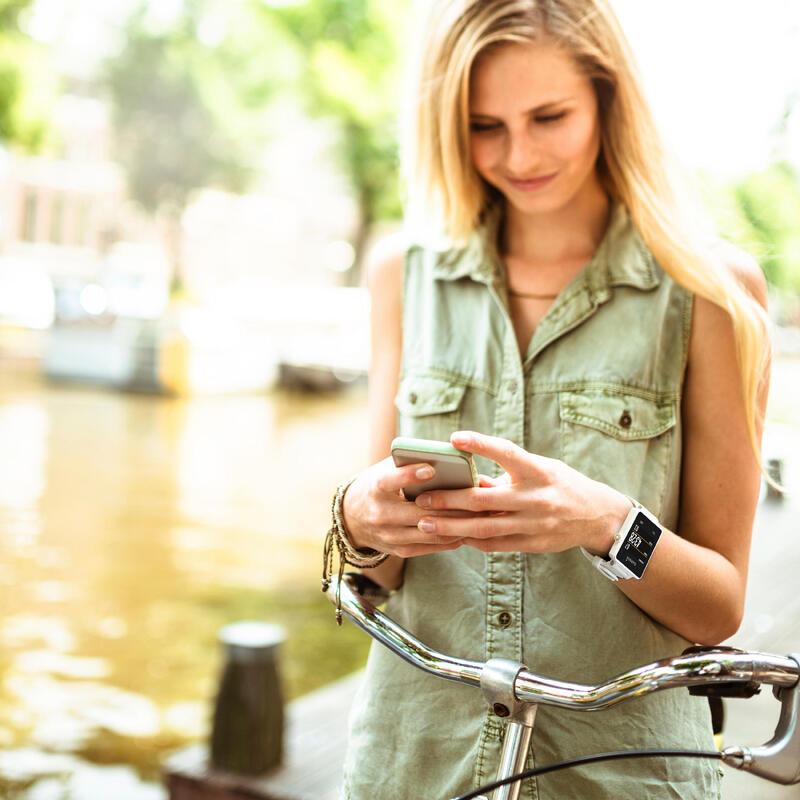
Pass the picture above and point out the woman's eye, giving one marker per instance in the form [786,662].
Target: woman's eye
[484,127]
[552,117]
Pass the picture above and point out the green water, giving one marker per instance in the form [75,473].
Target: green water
[132,528]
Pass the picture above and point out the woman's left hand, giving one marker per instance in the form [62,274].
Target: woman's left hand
[539,505]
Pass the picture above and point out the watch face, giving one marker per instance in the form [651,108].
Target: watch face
[636,549]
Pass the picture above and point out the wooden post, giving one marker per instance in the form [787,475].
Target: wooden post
[775,471]
[247,731]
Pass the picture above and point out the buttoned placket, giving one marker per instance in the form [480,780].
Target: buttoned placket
[505,571]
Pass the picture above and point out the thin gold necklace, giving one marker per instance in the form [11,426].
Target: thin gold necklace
[532,296]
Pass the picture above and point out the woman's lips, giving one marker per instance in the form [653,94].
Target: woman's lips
[531,184]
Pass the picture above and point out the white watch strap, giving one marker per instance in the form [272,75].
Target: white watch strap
[610,567]
[604,566]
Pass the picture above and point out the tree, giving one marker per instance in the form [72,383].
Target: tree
[22,81]
[350,75]
[180,110]
[760,213]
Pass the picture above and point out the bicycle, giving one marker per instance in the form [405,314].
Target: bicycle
[514,693]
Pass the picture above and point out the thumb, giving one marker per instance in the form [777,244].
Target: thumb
[512,458]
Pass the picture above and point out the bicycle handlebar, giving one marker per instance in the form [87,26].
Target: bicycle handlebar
[713,666]
[772,760]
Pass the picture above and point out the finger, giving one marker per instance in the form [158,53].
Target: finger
[497,544]
[514,543]
[398,535]
[511,457]
[395,519]
[478,527]
[399,540]
[397,478]
[409,551]
[476,500]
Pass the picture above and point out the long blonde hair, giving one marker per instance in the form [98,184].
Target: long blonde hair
[442,184]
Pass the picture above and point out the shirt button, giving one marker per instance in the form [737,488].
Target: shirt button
[412,398]
[504,619]
[625,420]
[512,387]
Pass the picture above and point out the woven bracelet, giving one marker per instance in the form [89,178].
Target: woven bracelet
[338,539]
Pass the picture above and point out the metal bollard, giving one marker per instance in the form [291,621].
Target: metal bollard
[775,471]
[247,731]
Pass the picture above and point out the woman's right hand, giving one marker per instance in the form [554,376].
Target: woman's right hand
[378,516]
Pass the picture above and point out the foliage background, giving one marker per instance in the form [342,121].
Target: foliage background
[191,93]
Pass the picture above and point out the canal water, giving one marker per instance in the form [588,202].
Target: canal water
[132,528]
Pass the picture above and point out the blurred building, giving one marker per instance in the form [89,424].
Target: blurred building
[62,208]
[262,273]
[62,217]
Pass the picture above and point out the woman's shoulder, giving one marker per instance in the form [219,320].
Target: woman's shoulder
[712,331]
[384,261]
[743,267]
[391,254]
[713,338]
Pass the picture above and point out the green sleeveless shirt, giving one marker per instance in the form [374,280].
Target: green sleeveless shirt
[599,388]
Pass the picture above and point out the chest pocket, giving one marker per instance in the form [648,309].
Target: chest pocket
[621,439]
[428,406]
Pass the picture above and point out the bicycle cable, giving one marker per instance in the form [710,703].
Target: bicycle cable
[581,760]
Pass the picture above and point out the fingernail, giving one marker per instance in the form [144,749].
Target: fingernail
[425,473]
[424,500]
[426,525]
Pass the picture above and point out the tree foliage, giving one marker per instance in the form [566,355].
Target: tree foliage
[350,60]
[761,213]
[186,113]
[180,107]
[23,81]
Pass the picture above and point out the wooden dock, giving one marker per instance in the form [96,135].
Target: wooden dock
[314,747]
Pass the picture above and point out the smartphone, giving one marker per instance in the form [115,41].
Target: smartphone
[455,469]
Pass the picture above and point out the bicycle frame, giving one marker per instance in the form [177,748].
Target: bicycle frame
[514,693]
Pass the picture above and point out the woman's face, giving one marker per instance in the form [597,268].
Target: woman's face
[534,127]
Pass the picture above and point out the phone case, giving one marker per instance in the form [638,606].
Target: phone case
[455,469]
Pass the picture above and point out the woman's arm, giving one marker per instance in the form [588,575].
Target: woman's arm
[385,284]
[695,582]
[700,577]
[376,515]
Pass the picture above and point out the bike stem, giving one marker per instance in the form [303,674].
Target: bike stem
[497,683]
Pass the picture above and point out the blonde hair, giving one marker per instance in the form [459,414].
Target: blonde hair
[442,184]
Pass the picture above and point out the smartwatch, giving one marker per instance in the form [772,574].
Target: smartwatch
[633,546]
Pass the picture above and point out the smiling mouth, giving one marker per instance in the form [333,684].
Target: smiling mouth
[530,184]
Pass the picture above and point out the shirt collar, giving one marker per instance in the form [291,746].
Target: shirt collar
[622,259]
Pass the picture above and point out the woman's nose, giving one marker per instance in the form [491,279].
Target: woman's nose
[523,154]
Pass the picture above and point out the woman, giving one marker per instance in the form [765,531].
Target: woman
[592,352]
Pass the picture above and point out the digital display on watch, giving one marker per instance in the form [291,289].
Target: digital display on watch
[635,551]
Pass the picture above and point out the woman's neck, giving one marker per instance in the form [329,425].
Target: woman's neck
[567,234]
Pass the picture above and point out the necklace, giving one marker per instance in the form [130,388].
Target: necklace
[532,296]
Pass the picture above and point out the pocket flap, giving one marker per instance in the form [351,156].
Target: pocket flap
[623,416]
[420,395]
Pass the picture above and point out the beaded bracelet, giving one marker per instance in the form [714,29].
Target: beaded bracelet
[337,537]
